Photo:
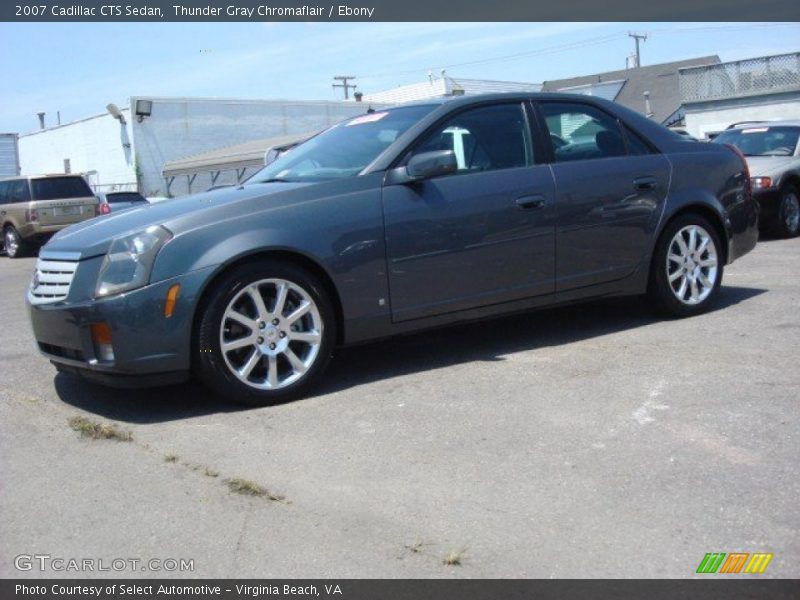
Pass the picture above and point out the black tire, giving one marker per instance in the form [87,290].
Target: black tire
[661,293]
[13,243]
[787,218]
[211,367]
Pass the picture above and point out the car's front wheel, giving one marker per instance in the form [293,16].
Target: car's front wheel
[687,267]
[266,333]
[788,220]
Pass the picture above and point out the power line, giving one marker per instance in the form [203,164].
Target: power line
[346,86]
[577,45]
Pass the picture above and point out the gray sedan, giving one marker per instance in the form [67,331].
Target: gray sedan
[392,222]
[772,149]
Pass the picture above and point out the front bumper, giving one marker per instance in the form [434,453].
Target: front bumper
[769,200]
[149,348]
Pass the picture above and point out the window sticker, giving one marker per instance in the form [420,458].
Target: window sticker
[758,130]
[370,118]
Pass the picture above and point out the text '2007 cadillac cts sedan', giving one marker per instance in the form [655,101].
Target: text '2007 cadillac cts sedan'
[391,222]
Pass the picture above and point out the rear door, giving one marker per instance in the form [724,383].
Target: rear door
[62,200]
[482,235]
[610,192]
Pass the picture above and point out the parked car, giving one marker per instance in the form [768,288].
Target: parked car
[772,150]
[117,201]
[32,208]
[387,223]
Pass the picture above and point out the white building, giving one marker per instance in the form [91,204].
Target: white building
[175,146]
[437,87]
[757,89]
[130,151]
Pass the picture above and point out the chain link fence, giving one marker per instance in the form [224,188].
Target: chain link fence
[751,77]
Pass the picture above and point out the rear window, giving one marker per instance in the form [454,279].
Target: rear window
[125,197]
[56,188]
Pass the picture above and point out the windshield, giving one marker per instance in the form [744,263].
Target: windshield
[344,149]
[762,141]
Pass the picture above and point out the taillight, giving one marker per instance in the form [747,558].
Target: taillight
[747,185]
[102,209]
[31,215]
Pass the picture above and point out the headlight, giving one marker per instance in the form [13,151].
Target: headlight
[129,260]
[759,183]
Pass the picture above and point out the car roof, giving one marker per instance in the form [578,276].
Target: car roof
[45,176]
[481,98]
[752,124]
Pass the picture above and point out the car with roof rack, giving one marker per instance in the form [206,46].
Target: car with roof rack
[34,207]
[772,151]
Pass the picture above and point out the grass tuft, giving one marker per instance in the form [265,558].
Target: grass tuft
[416,548]
[99,431]
[453,558]
[250,488]
[170,458]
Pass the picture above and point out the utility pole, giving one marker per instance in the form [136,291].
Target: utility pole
[638,37]
[347,87]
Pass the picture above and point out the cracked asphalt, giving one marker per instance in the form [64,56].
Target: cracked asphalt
[595,440]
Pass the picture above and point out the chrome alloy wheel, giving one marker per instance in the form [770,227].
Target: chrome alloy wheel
[11,242]
[791,212]
[692,264]
[271,334]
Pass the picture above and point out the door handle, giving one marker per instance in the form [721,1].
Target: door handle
[530,202]
[644,184]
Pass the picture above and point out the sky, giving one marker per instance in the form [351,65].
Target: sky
[78,68]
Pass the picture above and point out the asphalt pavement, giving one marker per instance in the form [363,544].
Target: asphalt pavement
[596,440]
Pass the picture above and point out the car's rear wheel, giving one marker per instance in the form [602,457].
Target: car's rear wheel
[265,334]
[788,219]
[14,245]
[687,267]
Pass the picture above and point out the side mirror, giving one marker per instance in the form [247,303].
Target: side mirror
[431,164]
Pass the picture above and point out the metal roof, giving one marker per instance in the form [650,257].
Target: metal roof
[660,80]
[448,86]
[239,156]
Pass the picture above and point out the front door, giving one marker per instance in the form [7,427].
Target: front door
[482,235]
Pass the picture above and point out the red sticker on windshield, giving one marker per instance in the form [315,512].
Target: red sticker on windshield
[370,118]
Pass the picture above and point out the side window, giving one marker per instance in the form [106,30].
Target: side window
[484,139]
[636,146]
[18,191]
[581,132]
[4,192]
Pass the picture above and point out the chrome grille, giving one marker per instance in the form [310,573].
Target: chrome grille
[51,281]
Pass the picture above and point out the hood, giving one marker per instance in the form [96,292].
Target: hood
[762,166]
[93,237]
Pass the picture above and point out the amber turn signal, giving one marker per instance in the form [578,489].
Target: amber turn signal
[101,333]
[172,296]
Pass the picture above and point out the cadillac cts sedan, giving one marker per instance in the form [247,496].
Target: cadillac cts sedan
[391,222]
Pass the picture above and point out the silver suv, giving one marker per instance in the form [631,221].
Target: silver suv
[34,207]
[772,150]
